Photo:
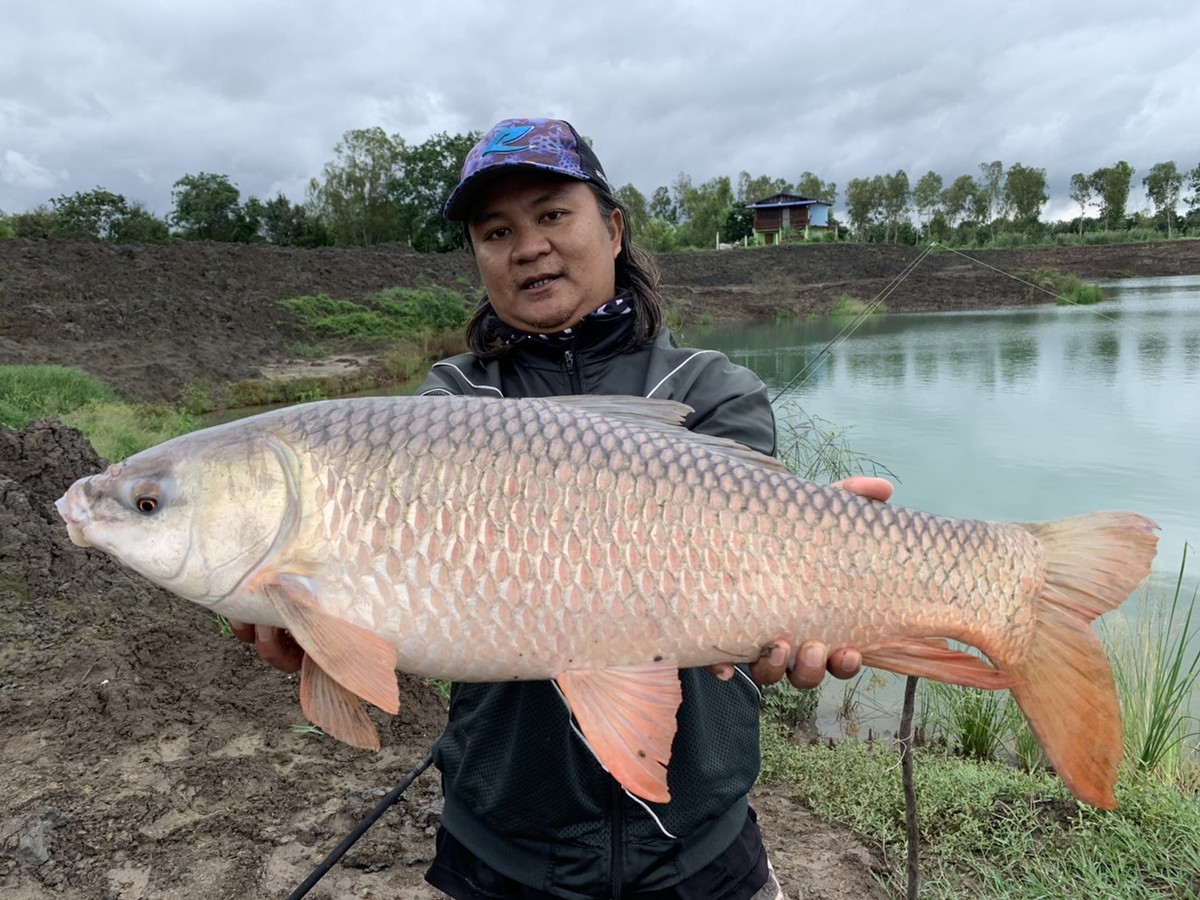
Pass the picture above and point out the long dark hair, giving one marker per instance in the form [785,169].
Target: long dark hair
[636,272]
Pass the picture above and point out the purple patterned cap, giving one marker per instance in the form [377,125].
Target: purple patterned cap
[549,145]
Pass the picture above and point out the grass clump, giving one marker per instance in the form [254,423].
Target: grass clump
[117,430]
[789,707]
[1157,671]
[392,313]
[115,427]
[1065,288]
[819,450]
[34,392]
[846,306]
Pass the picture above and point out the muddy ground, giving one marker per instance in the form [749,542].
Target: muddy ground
[145,755]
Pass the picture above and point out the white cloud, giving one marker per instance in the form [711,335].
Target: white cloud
[132,96]
[20,172]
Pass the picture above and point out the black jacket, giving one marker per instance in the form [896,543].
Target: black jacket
[521,789]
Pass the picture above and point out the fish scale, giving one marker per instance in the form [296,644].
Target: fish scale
[593,541]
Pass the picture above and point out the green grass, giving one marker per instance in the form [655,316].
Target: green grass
[819,450]
[116,428]
[392,313]
[1066,289]
[846,306]
[1157,669]
[989,829]
[34,392]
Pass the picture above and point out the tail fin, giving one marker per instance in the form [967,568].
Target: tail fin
[1064,684]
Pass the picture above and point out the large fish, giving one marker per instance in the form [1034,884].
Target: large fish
[592,541]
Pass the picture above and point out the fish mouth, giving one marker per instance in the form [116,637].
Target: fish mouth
[73,509]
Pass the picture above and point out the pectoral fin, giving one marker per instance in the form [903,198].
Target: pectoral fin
[334,709]
[627,715]
[355,659]
[932,658]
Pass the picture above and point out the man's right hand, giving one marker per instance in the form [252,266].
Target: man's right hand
[275,645]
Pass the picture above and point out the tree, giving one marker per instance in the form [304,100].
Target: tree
[991,190]
[894,198]
[863,204]
[357,199]
[705,209]
[636,210]
[94,214]
[427,173]
[957,199]
[1112,185]
[1163,184]
[927,196]
[809,185]
[750,189]
[39,222]
[662,206]
[1193,201]
[207,208]
[1081,193]
[739,224]
[1025,193]
[140,226]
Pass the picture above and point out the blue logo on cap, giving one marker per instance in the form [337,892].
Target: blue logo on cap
[503,141]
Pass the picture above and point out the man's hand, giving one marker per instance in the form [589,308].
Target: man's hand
[275,645]
[808,667]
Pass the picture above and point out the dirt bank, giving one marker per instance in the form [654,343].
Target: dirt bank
[151,319]
[147,756]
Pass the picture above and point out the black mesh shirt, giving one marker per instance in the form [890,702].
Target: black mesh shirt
[522,791]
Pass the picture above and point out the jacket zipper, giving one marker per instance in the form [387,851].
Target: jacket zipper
[572,372]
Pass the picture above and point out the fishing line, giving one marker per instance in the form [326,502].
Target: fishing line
[1037,287]
[801,377]
[348,841]
[853,324]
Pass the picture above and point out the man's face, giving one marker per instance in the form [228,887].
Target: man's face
[545,253]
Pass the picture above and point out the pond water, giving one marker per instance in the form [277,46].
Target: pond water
[1014,414]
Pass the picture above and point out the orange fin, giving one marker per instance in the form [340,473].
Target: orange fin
[334,709]
[1064,683]
[627,715]
[932,658]
[359,660]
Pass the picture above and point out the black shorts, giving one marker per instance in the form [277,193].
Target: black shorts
[737,874]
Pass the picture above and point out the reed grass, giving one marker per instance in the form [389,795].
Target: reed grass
[1156,665]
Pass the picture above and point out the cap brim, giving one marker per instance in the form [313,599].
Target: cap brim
[462,199]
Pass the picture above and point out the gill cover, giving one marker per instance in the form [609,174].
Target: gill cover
[195,514]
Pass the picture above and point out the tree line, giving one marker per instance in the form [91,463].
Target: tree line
[382,188]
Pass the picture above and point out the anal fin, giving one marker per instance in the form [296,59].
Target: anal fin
[627,715]
[933,658]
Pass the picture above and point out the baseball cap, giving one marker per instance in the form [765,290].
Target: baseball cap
[547,145]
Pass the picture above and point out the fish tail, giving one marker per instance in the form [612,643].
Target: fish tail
[1064,684]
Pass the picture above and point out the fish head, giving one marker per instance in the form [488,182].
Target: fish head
[193,518]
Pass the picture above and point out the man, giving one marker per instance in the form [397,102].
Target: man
[571,307]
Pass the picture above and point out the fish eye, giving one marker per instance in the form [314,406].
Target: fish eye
[145,504]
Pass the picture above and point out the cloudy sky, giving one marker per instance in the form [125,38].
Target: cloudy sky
[130,95]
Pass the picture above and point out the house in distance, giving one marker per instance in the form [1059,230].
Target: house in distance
[788,217]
